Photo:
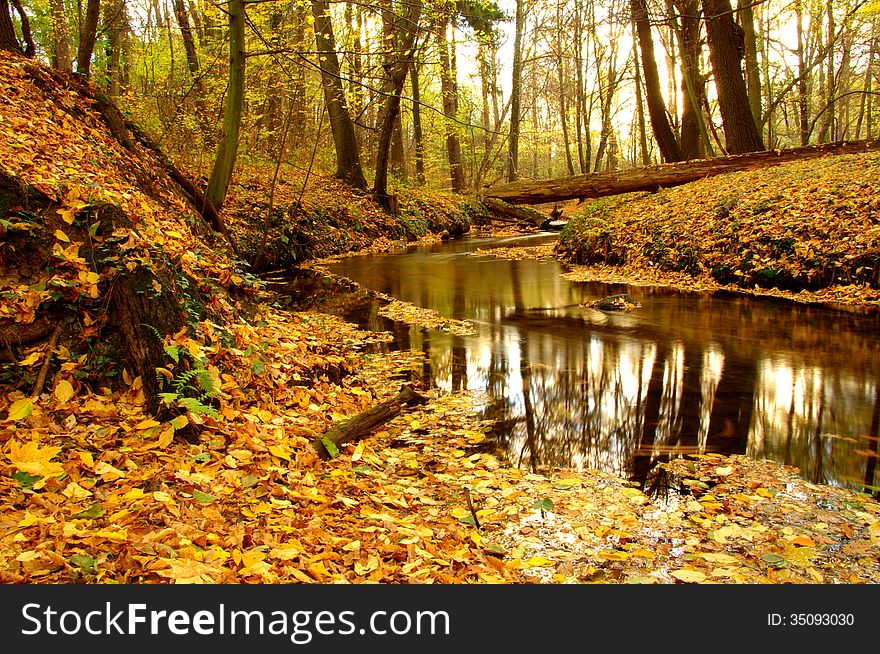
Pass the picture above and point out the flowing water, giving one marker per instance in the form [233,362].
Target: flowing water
[685,372]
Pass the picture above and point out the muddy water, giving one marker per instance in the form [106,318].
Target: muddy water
[575,387]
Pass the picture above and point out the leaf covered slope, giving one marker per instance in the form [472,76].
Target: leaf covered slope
[807,230]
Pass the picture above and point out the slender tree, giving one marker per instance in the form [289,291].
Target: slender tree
[450,106]
[87,38]
[348,161]
[61,58]
[663,134]
[402,40]
[750,55]
[515,93]
[227,149]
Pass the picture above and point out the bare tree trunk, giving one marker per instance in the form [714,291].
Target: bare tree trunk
[450,109]
[563,111]
[8,38]
[227,150]
[826,129]
[741,134]
[580,100]
[87,38]
[803,99]
[348,163]
[401,40]
[115,26]
[694,139]
[417,125]
[515,94]
[189,45]
[663,133]
[753,73]
[61,58]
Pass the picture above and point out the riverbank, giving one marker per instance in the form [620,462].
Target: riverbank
[807,231]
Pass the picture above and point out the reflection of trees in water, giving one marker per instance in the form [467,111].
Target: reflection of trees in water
[621,393]
[822,423]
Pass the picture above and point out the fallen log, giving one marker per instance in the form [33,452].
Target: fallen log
[652,178]
[516,214]
[363,423]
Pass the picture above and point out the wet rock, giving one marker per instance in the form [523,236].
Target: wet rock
[621,302]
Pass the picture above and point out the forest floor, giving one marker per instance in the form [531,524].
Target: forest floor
[224,485]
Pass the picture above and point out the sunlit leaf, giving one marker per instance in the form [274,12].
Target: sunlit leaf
[35,460]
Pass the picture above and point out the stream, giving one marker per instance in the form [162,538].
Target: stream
[578,388]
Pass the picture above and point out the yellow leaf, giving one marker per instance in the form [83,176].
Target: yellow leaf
[318,570]
[61,236]
[20,409]
[34,460]
[31,359]
[287,551]
[614,556]
[146,424]
[67,215]
[358,451]
[87,459]
[280,452]
[64,391]
[537,562]
[689,576]
[108,472]
[187,571]
[166,437]
[250,557]
[134,494]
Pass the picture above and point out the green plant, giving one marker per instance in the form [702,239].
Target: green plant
[191,388]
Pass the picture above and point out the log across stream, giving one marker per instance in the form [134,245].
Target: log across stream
[576,387]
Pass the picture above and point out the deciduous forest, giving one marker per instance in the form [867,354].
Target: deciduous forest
[435,291]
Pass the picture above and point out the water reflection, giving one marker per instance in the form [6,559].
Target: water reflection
[577,388]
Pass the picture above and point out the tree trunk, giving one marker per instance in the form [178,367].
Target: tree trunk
[663,133]
[26,35]
[87,38]
[515,94]
[741,134]
[653,178]
[450,110]
[8,39]
[348,161]
[694,136]
[753,73]
[227,149]
[115,25]
[401,41]
[189,44]
[417,125]
[803,99]
[61,58]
